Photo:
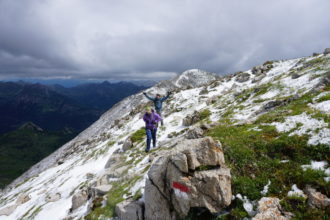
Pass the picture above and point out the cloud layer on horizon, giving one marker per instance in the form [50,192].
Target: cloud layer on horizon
[107,39]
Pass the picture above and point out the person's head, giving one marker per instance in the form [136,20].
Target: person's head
[148,110]
[158,96]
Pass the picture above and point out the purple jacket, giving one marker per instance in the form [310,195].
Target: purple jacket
[151,120]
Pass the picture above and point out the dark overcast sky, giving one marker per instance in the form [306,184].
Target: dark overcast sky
[122,39]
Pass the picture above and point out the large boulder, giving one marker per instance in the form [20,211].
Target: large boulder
[130,210]
[193,174]
[269,208]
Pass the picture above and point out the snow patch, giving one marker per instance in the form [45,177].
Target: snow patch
[317,129]
[319,165]
[322,106]
[295,191]
[266,187]
[247,204]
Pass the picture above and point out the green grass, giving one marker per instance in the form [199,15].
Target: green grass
[319,60]
[138,135]
[324,98]
[115,196]
[205,114]
[22,148]
[254,158]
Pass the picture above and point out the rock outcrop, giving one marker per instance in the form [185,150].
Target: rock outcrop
[242,77]
[258,70]
[195,133]
[326,51]
[191,119]
[269,208]
[193,174]
[79,199]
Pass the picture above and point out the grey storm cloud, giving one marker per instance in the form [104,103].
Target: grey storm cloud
[149,39]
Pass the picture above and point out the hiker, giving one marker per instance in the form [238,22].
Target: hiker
[151,119]
[158,102]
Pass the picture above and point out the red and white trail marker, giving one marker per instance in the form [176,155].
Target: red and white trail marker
[180,190]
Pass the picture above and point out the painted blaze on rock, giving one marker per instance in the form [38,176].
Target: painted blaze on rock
[181,187]
[176,184]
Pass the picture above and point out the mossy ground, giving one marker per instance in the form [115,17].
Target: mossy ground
[139,135]
[255,154]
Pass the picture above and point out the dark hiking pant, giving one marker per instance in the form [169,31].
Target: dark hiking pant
[151,135]
[159,112]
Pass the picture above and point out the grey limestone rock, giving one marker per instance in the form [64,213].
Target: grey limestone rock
[193,174]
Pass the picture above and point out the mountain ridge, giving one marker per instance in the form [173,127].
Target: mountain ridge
[276,105]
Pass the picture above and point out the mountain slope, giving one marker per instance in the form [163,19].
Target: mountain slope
[23,102]
[61,112]
[272,120]
[22,148]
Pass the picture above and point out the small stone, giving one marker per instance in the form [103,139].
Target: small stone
[191,119]
[90,176]
[23,198]
[127,144]
[203,91]
[53,197]
[129,210]
[79,199]
[316,199]
[295,76]
[195,133]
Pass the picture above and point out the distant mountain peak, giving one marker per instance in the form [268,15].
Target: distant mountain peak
[195,78]
[31,126]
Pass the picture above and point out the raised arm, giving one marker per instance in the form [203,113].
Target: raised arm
[166,97]
[148,97]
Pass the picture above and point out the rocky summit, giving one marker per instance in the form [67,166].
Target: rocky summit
[249,145]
